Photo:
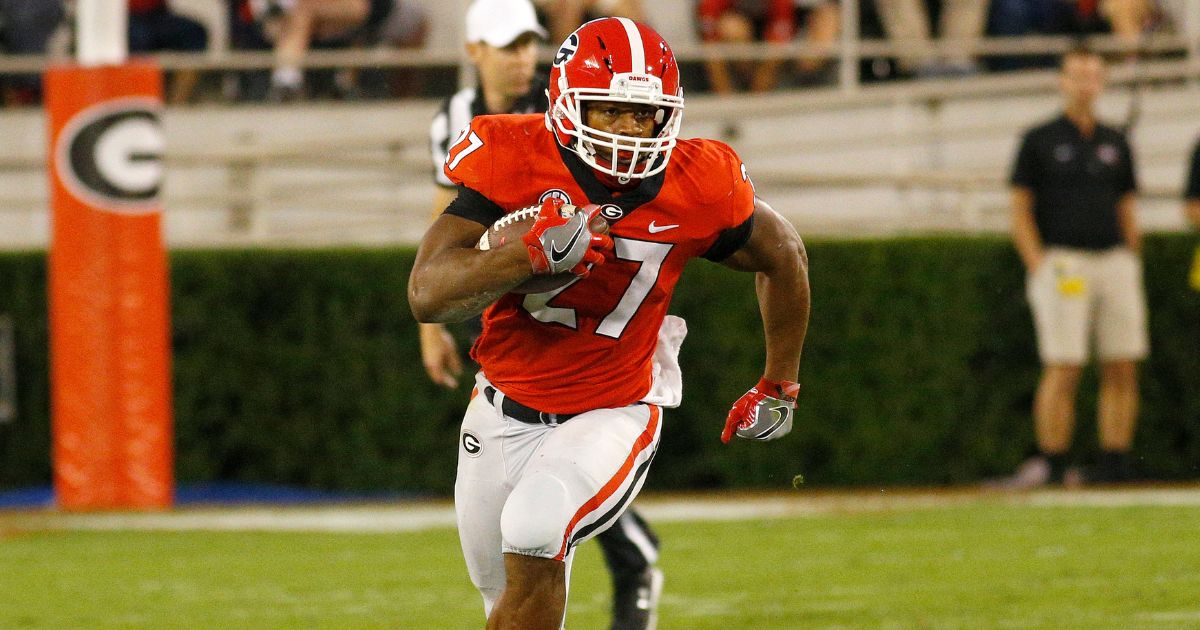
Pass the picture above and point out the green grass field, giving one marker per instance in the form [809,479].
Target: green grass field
[980,563]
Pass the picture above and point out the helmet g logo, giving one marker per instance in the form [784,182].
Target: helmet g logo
[110,156]
[567,50]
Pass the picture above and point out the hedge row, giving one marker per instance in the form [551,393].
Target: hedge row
[301,367]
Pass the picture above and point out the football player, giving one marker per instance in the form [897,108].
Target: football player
[502,42]
[569,400]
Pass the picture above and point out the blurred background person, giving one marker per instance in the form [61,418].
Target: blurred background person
[26,28]
[1074,225]
[154,27]
[1191,208]
[564,16]
[907,22]
[746,21]
[294,26]
[1127,19]
[502,43]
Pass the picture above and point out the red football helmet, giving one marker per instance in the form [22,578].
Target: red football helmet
[615,60]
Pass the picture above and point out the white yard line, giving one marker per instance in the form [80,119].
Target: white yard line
[723,506]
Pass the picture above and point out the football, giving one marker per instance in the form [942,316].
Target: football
[514,225]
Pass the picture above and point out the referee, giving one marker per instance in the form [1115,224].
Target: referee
[502,37]
[1074,225]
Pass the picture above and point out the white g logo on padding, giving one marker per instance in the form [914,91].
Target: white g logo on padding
[110,155]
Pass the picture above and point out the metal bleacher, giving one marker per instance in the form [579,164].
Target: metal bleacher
[848,160]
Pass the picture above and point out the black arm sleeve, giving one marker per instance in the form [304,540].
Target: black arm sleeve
[1193,183]
[1024,170]
[730,240]
[471,204]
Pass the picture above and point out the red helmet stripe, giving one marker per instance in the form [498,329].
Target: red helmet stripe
[637,49]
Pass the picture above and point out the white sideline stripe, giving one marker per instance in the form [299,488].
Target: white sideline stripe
[412,517]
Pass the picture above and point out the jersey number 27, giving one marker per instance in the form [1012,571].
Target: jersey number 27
[651,256]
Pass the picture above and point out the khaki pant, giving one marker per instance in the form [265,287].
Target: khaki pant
[1077,294]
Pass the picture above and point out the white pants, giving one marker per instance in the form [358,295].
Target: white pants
[539,490]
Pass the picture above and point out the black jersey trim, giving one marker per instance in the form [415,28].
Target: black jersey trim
[730,240]
[472,205]
[599,194]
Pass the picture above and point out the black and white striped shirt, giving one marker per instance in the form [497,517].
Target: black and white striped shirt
[458,110]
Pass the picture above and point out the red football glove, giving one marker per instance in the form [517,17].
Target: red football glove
[562,239]
[763,413]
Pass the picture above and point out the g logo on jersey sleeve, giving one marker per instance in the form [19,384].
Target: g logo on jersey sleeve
[554,193]
[110,155]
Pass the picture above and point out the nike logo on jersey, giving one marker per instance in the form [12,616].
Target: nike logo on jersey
[557,255]
[655,229]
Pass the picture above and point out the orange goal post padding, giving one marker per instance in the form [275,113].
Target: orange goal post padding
[110,352]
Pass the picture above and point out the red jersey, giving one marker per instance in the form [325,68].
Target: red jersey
[138,7]
[590,345]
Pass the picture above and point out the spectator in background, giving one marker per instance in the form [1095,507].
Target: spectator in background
[1074,225]
[907,22]
[153,27]
[1127,19]
[26,27]
[294,26]
[502,43]
[745,21]
[407,26]
[564,16]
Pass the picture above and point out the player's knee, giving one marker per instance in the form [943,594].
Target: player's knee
[535,516]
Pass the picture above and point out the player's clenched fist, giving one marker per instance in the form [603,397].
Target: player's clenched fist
[567,239]
[763,413]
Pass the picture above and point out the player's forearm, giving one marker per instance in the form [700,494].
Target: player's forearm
[1127,217]
[1192,210]
[784,299]
[459,283]
[1024,230]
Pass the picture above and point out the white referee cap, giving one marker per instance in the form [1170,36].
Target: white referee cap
[498,23]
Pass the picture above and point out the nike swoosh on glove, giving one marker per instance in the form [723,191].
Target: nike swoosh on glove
[763,413]
[561,239]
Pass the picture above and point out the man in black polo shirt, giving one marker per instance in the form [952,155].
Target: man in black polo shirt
[1074,225]
[502,41]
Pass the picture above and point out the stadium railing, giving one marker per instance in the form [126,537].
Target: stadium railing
[249,198]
